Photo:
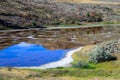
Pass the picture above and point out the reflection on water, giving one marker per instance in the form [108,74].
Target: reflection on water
[28,55]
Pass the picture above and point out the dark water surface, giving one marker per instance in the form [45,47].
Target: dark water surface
[28,55]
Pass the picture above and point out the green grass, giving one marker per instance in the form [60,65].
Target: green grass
[103,71]
[106,23]
[77,72]
[82,25]
[106,69]
[62,25]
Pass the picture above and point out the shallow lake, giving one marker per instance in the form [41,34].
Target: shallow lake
[29,55]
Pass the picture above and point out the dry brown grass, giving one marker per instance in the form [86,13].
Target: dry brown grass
[15,72]
[89,1]
[79,78]
[80,55]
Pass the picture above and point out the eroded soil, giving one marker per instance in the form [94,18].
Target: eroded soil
[60,38]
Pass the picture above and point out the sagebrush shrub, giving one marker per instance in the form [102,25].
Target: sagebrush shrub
[100,54]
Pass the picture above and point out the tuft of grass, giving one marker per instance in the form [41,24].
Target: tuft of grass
[111,65]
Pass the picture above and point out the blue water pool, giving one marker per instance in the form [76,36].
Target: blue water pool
[28,55]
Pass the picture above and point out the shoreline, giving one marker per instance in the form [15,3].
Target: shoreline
[67,27]
[64,62]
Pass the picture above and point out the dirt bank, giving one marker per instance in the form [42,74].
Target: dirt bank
[61,38]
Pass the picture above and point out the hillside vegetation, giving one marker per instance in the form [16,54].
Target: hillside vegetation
[17,14]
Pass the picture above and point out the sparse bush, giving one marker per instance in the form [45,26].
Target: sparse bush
[34,23]
[82,64]
[102,54]
[94,17]
[9,68]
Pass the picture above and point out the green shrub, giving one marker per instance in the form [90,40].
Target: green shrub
[33,23]
[100,54]
[82,65]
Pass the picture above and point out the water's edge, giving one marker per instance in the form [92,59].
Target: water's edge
[64,62]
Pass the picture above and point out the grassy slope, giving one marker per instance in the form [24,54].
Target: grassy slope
[109,69]
[82,55]
[59,74]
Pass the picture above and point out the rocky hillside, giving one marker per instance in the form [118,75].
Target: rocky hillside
[17,14]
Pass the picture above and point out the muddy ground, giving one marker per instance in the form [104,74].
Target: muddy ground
[60,38]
